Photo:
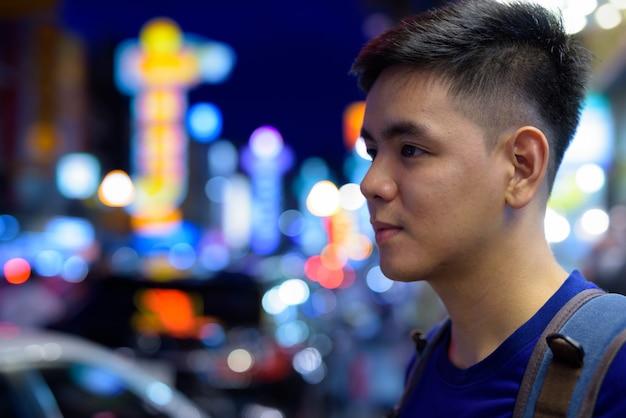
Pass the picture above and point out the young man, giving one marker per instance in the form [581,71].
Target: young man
[469,111]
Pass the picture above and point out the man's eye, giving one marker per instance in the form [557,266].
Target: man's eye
[410,151]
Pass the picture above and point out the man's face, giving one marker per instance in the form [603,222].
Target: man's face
[435,191]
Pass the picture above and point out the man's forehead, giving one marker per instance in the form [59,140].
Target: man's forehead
[407,77]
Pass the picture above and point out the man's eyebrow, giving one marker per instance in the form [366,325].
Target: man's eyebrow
[397,129]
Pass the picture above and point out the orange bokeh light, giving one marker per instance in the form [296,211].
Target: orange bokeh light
[170,312]
[333,257]
[352,123]
[359,247]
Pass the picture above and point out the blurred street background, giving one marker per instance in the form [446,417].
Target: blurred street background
[179,183]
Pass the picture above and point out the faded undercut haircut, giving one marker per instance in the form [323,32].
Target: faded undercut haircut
[506,64]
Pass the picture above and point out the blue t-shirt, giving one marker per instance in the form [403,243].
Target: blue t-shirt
[489,388]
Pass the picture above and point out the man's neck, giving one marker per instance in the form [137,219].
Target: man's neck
[486,309]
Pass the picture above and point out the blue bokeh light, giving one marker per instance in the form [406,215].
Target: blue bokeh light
[204,121]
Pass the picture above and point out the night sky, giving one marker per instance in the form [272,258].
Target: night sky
[292,69]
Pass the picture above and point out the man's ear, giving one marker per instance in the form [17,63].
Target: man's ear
[529,153]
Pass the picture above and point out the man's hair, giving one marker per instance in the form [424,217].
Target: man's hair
[505,63]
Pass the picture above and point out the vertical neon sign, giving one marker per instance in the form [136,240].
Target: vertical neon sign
[266,159]
[157,70]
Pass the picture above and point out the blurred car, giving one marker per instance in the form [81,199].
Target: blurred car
[45,374]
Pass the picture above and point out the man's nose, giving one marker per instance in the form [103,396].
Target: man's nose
[378,183]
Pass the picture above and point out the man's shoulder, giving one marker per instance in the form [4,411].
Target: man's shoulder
[593,326]
[611,400]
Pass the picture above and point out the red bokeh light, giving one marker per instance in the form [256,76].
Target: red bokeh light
[17,270]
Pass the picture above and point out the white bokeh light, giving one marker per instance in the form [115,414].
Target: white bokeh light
[620,4]
[557,227]
[293,292]
[350,196]
[590,178]
[323,199]
[608,16]
[595,221]
[77,175]
[361,149]
[272,302]
[117,189]
[240,360]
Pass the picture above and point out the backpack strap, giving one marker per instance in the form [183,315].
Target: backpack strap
[593,319]
[424,349]
[593,390]
[602,341]
[529,392]
[561,377]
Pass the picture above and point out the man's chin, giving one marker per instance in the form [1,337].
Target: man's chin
[401,276]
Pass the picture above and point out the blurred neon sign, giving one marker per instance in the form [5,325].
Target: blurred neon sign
[157,70]
[266,159]
[169,312]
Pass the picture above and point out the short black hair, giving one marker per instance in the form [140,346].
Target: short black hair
[508,62]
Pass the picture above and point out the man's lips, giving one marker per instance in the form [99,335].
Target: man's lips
[384,231]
